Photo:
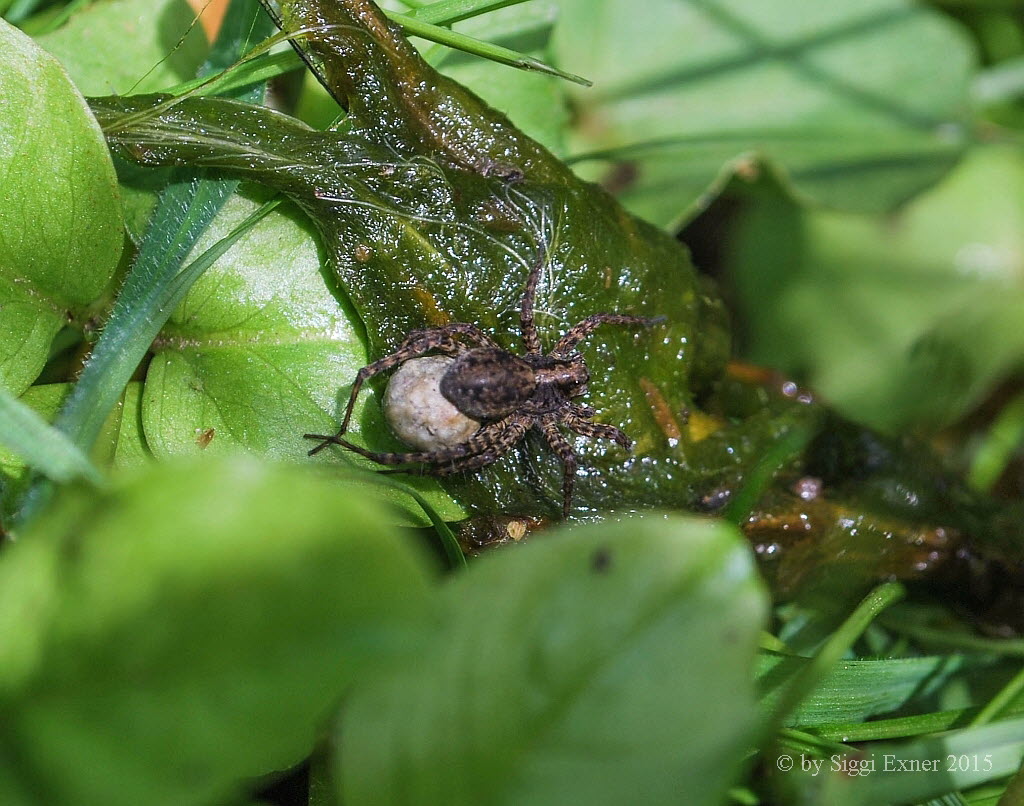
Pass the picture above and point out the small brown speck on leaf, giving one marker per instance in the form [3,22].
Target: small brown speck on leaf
[205,438]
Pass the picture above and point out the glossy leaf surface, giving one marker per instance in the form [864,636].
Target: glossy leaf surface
[420,232]
[256,354]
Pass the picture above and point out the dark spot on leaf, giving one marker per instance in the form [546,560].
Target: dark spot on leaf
[620,178]
[601,561]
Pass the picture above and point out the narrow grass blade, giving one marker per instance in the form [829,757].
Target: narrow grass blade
[998,446]
[497,53]
[42,446]
[448,12]
[833,650]
[18,10]
[760,477]
[449,542]
[1001,701]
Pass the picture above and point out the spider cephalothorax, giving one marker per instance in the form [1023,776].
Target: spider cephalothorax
[507,394]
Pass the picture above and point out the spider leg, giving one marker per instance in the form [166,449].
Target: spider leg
[508,438]
[575,422]
[416,344]
[531,342]
[582,410]
[496,437]
[580,331]
[564,451]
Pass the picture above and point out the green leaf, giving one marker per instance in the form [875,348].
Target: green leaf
[259,353]
[858,104]
[192,628]
[125,46]
[60,214]
[613,666]
[871,311]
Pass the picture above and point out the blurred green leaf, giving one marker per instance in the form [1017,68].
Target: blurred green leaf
[192,628]
[60,214]
[859,105]
[614,667]
[125,46]
[120,444]
[899,322]
[259,353]
[45,400]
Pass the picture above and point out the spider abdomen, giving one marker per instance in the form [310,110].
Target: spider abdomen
[488,383]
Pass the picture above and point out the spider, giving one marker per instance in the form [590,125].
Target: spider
[507,393]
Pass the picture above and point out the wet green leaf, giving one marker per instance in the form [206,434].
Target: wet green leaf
[615,667]
[432,209]
[61,224]
[422,227]
[192,628]
[122,46]
[873,311]
[857,104]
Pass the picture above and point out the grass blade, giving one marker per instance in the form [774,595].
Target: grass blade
[833,650]
[496,53]
[448,12]
[42,446]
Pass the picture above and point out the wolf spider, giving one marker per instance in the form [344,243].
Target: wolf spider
[509,394]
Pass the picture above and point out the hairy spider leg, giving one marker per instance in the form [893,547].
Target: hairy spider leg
[503,443]
[491,440]
[531,342]
[574,422]
[563,450]
[463,463]
[416,344]
[580,331]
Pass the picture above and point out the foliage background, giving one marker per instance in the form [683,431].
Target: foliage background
[183,633]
